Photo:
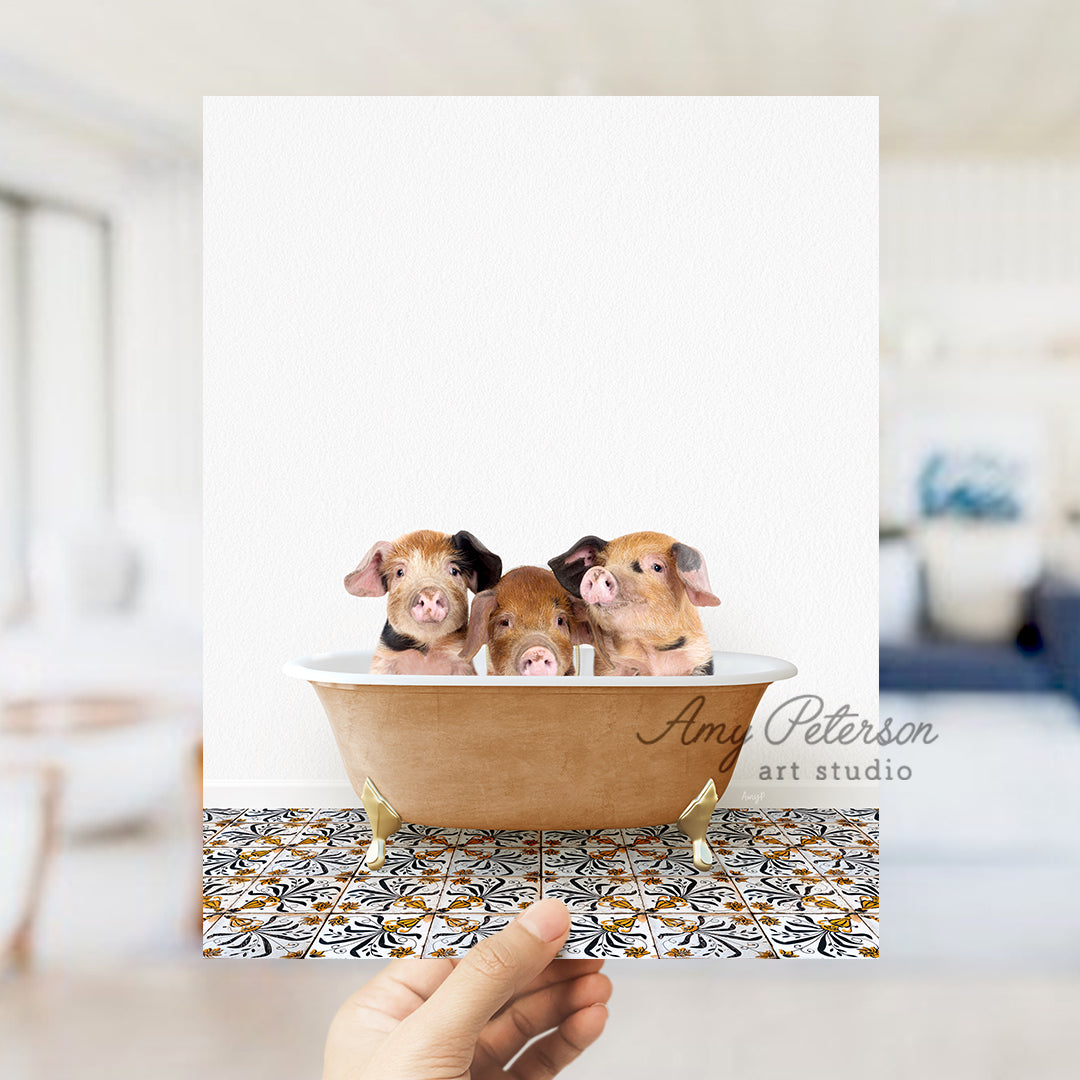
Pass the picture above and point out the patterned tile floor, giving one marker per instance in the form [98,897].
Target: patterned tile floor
[786,883]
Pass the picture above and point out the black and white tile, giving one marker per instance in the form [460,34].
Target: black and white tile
[454,934]
[722,936]
[424,861]
[770,895]
[753,834]
[371,934]
[319,862]
[788,883]
[281,816]
[595,893]
[597,839]
[231,861]
[221,893]
[584,860]
[664,895]
[322,833]
[624,935]
[474,894]
[665,836]
[832,861]
[258,937]
[250,833]
[859,893]
[390,894]
[658,861]
[480,838]
[495,861]
[796,815]
[820,936]
[764,861]
[826,834]
[291,893]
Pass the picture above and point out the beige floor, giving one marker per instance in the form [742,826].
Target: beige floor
[240,1020]
[982,908]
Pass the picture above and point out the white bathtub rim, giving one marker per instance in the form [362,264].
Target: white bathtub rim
[351,668]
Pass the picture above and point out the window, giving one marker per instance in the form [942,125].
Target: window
[56,382]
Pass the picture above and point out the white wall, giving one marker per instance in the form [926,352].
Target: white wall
[534,319]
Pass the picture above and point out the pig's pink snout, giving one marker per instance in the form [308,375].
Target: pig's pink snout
[538,661]
[598,586]
[430,606]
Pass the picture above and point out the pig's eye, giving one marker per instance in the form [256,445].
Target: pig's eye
[454,571]
[400,572]
[658,567]
[504,622]
[561,621]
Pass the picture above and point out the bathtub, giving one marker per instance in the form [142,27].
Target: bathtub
[571,752]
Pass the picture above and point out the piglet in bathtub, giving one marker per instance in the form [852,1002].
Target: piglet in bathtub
[528,623]
[640,594]
[425,576]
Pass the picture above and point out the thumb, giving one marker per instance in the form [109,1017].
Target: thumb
[491,973]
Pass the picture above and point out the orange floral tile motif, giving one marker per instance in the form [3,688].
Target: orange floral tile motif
[786,884]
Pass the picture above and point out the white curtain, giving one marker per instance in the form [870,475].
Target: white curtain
[12,520]
[67,379]
[158,387]
[57,423]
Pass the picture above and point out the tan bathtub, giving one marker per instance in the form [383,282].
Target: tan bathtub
[578,752]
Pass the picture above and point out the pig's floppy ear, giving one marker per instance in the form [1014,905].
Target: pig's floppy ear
[482,606]
[570,567]
[482,567]
[584,633]
[581,631]
[690,567]
[366,579]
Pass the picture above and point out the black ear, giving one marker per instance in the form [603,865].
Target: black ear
[570,567]
[690,567]
[482,566]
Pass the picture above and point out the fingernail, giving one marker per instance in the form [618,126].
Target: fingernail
[546,919]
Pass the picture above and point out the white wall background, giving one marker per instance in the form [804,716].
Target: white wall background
[534,319]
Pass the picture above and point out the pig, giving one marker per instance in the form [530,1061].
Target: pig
[640,593]
[527,621]
[425,576]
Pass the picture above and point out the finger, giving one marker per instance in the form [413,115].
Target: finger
[371,1014]
[548,1056]
[558,971]
[399,989]
[532,1015]
[491,973]
[421,977]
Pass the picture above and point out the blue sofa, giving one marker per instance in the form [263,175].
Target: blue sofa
[1045,656]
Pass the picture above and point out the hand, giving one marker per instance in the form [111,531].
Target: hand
[466,1019]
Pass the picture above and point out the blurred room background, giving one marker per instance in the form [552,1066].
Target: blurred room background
[980,530]
[100,163]
[100,648]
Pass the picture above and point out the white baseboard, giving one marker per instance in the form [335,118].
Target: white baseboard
[316,794]
[259,794]
[825,796]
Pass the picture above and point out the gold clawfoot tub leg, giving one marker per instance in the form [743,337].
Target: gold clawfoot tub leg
[384,822]
[694,820]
